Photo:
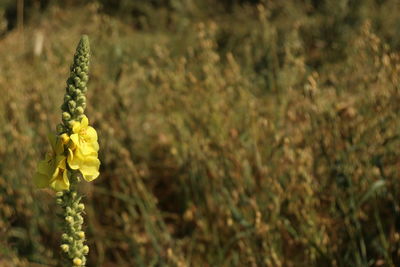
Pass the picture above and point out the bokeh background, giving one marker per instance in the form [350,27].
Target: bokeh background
[232,133]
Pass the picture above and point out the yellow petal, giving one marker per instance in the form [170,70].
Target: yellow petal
[73,161]
[95,146]
[84,122]
[59,165]
[60,183]
[45,166]
[56,144]
[75,139]
[52,170]
[64,138]
[70,155]
[88,149]
[55,173]
[90,168]
[40,180]
[65,178]
[76,127]
[61,162]
[91,134]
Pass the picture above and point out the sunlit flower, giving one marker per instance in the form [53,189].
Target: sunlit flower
[52,171]
[84,137]
[82,150]
[88,165]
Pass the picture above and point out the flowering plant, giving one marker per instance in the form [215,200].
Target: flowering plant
[74,156]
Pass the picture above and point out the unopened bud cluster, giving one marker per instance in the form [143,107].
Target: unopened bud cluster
[73,237]
[74,104]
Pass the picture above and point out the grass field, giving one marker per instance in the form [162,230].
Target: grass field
[232,133]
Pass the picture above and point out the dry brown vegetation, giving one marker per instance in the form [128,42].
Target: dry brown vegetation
[266,135]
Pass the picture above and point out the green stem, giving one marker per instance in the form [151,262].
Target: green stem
[73,236]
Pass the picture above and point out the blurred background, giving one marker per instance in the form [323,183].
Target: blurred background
[232,133]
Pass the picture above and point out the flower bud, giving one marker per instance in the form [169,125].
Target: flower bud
[64,236]
[66,116]
[81,234]
[71,105]
[79,219]
[77,227]
[77,81]
[77,262]
[59,201]
[85,249]
[70,123]
[71,89]
[80,99]
[81,207]
[64,138]
[82,85]
[65,247]
[72,213]
[84,77]
[69,219]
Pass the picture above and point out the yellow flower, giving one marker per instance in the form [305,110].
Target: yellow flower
[64,138]
[52,171]
[84,137]
[83,148]
[88,165]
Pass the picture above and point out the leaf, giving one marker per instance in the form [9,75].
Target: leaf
[374,187]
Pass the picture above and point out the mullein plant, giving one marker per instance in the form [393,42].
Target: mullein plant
[73,157]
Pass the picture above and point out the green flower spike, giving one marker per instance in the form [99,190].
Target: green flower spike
[74,156]
[73,113]
[73,238]
[74,100]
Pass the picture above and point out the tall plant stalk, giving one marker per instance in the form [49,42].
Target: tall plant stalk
[74,157]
